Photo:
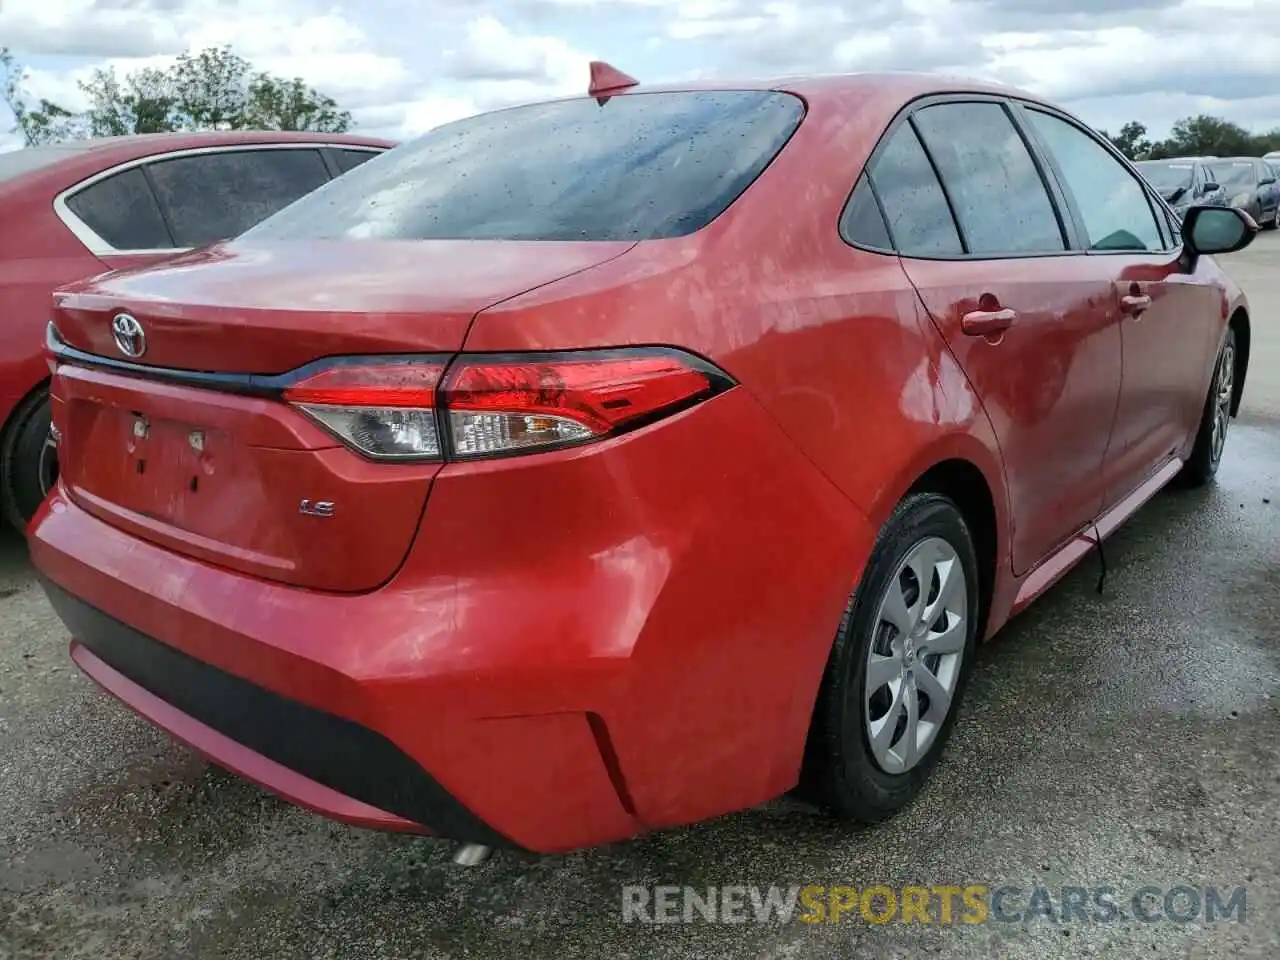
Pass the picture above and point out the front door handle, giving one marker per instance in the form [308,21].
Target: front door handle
[987,323]
[1134,304]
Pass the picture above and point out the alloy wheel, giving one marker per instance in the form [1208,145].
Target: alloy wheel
[913,664]
[1224,385]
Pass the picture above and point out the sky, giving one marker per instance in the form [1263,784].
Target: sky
[402,67]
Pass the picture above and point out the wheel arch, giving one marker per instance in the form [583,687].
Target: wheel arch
[966,467]
[1239,323]
[10,434]
[19,407]
[962,482]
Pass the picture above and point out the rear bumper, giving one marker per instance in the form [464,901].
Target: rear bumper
[314,759]
[582,645]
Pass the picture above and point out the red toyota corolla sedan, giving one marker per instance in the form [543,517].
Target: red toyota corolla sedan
[73,210]
[595,466]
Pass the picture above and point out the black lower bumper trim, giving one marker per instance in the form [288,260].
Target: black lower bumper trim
[323,747]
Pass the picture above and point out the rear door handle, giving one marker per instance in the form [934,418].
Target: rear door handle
[986,323]
[1134,304]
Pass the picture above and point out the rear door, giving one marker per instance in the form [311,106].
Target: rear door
[1169,316]
[1029,320]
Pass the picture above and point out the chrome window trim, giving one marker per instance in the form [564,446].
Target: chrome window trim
[100,248]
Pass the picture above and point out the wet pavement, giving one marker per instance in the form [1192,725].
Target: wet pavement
[1120,740]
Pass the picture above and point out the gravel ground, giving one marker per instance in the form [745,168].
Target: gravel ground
[1121,740]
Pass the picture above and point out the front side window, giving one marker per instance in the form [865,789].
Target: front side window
[209,197]
[920,221]
[637,167]
[121,209]
[1112,202]
[998,194]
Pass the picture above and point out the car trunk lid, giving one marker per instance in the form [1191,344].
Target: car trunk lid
[248,308]
[186,446]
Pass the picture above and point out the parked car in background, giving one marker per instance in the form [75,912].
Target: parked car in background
[1183,182]
[1273,173]
[1273,155]
[76,209]
[1250,184]
[676,449]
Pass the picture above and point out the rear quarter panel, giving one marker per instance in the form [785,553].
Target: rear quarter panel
[831,340]
[37,255]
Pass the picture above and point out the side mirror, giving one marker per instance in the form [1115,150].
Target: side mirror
[1217,230]
[1209,187]
[1266,180]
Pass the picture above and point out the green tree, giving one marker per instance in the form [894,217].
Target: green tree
[1132,140]
[46,122]
[1207,136]
[214,89]
[278,104]
[144,102]
[1269,141]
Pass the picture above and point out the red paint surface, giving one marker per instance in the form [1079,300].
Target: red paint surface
[39,254]
[585,644]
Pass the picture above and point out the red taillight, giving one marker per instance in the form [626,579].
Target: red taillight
[499,405]
[395,383]
[384,409]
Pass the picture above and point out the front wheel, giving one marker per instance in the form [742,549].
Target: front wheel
[1211,438]
[28,461]
[898,667]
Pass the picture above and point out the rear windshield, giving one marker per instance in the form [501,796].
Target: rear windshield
[638,167]
[1166,176]
[1237,173]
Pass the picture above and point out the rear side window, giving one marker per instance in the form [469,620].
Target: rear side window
[998,194]
[920,221]
[638,167]
[122,210]
[1234,174]
[862,223]
[215,196]
[350,159]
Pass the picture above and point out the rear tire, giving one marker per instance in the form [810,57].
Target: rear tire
[877,732]
[28,461]
[1211,438]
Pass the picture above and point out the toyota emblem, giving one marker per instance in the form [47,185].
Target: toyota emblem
[129,335]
